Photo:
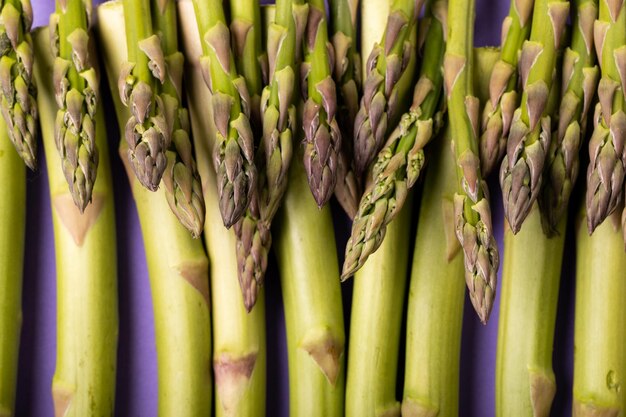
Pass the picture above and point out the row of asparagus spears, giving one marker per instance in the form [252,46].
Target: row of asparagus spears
[249,102]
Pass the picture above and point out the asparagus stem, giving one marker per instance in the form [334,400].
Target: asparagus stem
[183,189]
[399,163]
[471,205]
[233,152]
[18,94]
[85,245]
[503,97]
[580,75]
[178,269]
[76,92]
[12,229]
[600,321]
[239,350]
[607,146]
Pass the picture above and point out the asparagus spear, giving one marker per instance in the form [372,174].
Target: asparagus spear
[233,153]
[239,349]
[580,77]
[607,146]
[183,189]
[18,92]
[600,321]
[177,266]
[12,230]
[87,314]
[385,66]
[471,203]
[503,97]
[321,132]
[530,133]
[624,218]
[399,163]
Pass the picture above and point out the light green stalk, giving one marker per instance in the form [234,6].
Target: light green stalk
[471,205]
[86,259]
[600,321]
[239,349]
[178,269]
[12,230]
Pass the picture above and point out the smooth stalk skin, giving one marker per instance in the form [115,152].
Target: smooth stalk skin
[525,383]
[233,153]
[239,347]
[18,92]
[183,189]
[580,77]
[398,165]
[503,96]
[471,204]
[600,321]
[177,265]
[381,102]
[86,259]
[530,133]
[607,146]
[76,86]
[12,230]
[376,319]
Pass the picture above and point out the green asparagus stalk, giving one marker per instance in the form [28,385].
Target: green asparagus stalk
[76,93]
[607,146]
[322,136]
[624,218]
[380,104]
[399,163]
[239,349]
[530,132]
[600,321]
[503,97]
[87,317]
[12,230]
[471,204]
[177,265]
[18,92]
[233,153]
[183,189]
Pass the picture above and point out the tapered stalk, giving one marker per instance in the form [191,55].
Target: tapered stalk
[86,259]
[239,350]
[376,318]
[12,229]
[600,321]
[178,269]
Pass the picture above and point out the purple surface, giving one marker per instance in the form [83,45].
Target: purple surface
[137,384]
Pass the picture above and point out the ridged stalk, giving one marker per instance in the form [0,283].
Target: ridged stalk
[607,146]
[17,89]
[177,265]
[600,322]
[503,96]
[530,134]
[76,92]
[85,246]
[239,348]
[233,153]
[400,162]
[12,231]
[471,204]
[580,78]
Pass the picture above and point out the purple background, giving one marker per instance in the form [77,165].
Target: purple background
[137,384]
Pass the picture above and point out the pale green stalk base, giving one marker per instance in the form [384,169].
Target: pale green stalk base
[377,306]
[600,322]
[373,22]
[525,384]
[86,258]
[177,265]
[12,229]
[239,348]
